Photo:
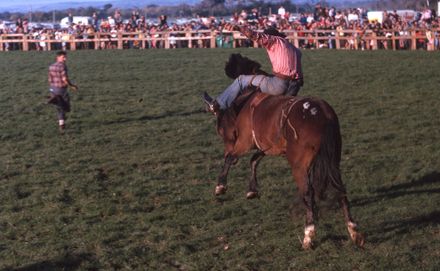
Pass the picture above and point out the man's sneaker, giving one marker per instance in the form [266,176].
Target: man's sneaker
[62,128]
[211,104]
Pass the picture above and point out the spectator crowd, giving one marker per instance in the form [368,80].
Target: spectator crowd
[328,20]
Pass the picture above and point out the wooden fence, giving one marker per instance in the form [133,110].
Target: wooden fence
[335,39]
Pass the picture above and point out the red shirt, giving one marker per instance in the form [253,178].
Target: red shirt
[284,57]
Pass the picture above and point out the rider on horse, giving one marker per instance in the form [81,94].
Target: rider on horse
[285,58]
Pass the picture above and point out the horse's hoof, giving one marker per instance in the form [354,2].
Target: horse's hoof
[307,245]
[252,195]
[220,189]
[358,239]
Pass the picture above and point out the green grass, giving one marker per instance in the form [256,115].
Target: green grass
[130,185]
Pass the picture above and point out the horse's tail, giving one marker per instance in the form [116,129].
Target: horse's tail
[325,167]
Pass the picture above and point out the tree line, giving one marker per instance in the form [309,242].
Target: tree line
[212,8]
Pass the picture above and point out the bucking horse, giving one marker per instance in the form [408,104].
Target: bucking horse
[305,130]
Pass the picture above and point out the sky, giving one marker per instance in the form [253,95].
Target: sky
[6,3]
[20,5]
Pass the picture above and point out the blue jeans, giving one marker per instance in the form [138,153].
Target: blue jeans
[268,84]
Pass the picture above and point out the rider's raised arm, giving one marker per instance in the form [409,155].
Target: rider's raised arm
[263,39]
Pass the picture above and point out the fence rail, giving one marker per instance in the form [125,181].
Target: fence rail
[336,39]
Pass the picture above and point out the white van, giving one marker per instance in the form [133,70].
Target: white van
[84,20]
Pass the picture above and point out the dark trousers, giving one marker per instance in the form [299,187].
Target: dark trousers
[60,98]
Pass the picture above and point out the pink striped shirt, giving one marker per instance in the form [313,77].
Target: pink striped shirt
[285,58]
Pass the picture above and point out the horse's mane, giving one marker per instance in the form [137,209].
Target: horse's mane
[238,65]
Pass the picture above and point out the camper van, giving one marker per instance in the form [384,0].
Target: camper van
[377,16]
[84,20]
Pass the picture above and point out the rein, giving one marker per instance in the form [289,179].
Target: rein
[287,108]
[253,105]
[285,113]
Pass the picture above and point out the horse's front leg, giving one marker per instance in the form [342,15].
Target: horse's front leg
[253,184]
[223,177]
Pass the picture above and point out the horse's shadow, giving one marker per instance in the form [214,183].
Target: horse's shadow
[402,226]
[399,190]
[69,262]
[164,115]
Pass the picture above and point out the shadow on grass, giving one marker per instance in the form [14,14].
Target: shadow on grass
[70,262]
[157,117]
[393,228]
[399,190]
[390,229]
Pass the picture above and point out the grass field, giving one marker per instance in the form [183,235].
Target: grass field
[130,185]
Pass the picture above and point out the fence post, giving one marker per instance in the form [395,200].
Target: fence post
[188,35]
[49,43]
[166,38]
[356,39]
[295,39]
[25,42]
[97,40]
[337,40]
[393,38]
[120,43]
[255,44]
[315,39]
[413,40]
[430,38]
[235,37]
[1,43]
[72,43]
[374,39]
[213,38]
[142,40]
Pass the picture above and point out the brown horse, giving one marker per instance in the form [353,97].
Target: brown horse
[303,129]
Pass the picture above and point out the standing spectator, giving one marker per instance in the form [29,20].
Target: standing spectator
[163,22]
[95,20]
[281,11]
[59,82]
[25,25]
[70,18]
[111,21]
[19,23]
[117,16]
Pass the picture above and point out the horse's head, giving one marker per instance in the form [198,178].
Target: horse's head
[238,65]
[226,119]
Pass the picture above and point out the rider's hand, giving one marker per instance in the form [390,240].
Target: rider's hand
[74,88]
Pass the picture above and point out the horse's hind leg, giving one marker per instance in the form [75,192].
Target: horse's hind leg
[306,192]
[253,185]
[300,161]
[223,177]
[357,237]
